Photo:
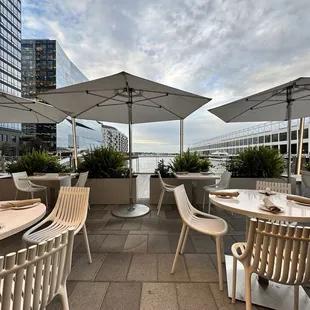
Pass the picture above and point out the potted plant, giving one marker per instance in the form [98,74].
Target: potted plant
[187,161]
[108,176]
[261,163]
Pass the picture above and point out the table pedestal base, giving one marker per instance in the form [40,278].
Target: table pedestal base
[274,295]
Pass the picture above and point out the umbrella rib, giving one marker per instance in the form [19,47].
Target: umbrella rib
[148,106]
[111,105]
[96,95]
[141,100]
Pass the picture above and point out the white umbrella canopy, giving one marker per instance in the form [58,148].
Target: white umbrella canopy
[281,103]
[15,109]
[129,99]
[106,99]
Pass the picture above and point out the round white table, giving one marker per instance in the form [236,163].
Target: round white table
[248,202]
[274,295]
[14,221]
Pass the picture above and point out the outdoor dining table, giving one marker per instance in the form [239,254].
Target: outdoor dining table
[13,221]
[274,295]
[194,177]
[58,180]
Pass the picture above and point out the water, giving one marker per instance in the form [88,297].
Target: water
[149,164]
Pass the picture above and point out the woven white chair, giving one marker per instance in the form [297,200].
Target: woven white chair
[164,188]
[70,212]
[284,188]
[27,186]
[31,278]
[205,223]
[221,185]
[279,253]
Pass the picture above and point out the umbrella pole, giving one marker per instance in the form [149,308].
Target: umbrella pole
[289,132]
[181,136]
[300,143]
[74,143]
[130,155]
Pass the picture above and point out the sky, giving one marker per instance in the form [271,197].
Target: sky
[221,49]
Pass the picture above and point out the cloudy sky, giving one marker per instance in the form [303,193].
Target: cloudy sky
[217,48]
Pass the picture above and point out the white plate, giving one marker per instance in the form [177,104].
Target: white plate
[262,207]
[302,203]
[264,192]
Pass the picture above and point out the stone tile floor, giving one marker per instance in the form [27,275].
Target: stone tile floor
[132,261]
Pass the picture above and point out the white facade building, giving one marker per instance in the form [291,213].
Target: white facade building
[111,137]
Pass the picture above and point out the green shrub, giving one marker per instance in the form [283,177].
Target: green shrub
[262,162]
[190,162]
[37,162]
[307,166]
[165,170]
[104,162]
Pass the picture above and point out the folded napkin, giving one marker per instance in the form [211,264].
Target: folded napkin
[224,193]
[298,199]
[270,206]
[64,173]
[19,203]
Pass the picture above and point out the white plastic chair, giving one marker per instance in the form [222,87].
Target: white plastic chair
[221,185]
[164,188]
[82,179]
[27,186]
[202,222]
[305,178]
[31,278]
[284,188]
[279,253]
[70,212]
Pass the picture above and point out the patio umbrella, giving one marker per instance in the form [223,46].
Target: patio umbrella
[281,103]
[125,98]
[15,109]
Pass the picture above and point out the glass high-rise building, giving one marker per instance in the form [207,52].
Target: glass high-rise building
[46,66]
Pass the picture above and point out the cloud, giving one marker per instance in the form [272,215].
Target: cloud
[221,49]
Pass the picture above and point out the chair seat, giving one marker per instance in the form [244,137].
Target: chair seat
[34,189]
[208,226]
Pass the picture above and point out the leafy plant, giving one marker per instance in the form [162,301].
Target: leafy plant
[37,162]
[104,162]
[190,162]
[307,166]
[165,170]
[262,162]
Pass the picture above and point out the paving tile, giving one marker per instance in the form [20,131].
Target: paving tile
[136,244]
[123,296]
[200,268]
[159,296]
[88,295]
[110,207]
[169,226]
[172,215]
[203,244]
[94,226]
[114,224]
[149,224]
[161,215]
[240,238]
[143,268]
[132,224]
[214,260]
[238,223]
[114,267]
[55,303]
[165,262]
[97,207]
[96,214]
[95,242]
[113,243]
[75,257]
[195,296]
[158,244]
[189,247]
[83,271]
[228,242]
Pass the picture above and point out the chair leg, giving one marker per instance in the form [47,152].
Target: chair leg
[204,200]
[185,240]
[160,201]
[219,261]
[248,297]
[209,207]
[178,247]
[296,297]
[87,243]
[234,281]
[64,298]
[16,194]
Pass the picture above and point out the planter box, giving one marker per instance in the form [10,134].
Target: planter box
[250,183]
[155,190]
[110,191]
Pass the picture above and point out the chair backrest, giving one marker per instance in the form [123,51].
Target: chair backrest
[162,183]
[71,207]
[225,180]
[280,253]
[21,184]
[305,177]
[30,278]
[82,179]
[285,188]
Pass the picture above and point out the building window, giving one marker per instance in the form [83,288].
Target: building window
[294,135]
[5,138]
[294,149]
[14,139]
[267,139]
[283,148]
[261,139]
[283,136]
[249,141]
[255,140]
[275,137]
